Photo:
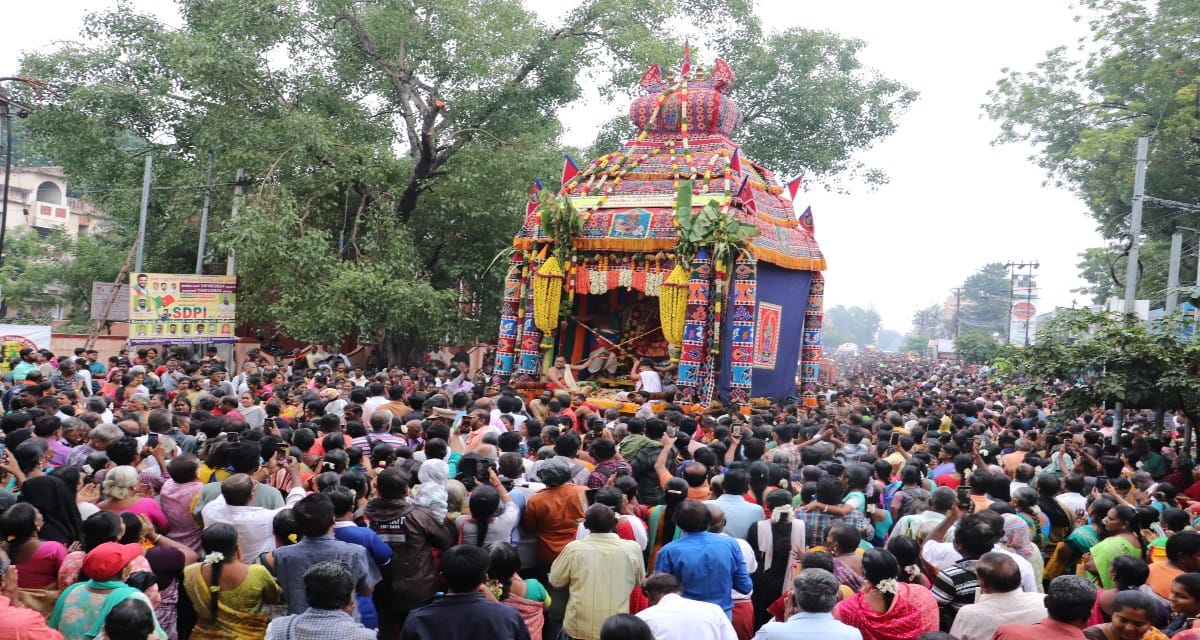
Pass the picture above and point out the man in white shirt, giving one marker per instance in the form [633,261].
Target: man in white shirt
[648,378]
[1000,600]
[815,594]
[941,555]
[253,524]
[1072,498]
[375,400]
[673,617]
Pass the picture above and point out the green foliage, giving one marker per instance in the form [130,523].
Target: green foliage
[915,344]
[709,228]
[1089,359]
[985,299]
[927,323]
[1139,76]
[389,145]
[976,347]
[850,324]
[42,271]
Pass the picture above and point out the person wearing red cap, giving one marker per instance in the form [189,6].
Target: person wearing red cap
[80,611]
[19,623]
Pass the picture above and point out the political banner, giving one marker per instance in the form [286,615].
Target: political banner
[14,337]
[167,308]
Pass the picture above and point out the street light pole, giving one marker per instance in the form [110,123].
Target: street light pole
[6,116]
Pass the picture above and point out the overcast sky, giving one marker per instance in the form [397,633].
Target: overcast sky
[954,203]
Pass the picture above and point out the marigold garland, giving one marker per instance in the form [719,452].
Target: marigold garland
[547,295]
[672,304]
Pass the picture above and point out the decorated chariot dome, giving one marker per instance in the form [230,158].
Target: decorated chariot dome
[745,344]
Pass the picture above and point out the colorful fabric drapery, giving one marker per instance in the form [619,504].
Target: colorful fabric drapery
[810,349]
[510,306]
[693,354]
[741,337]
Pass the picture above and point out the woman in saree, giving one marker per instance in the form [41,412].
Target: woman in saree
[1124,539]
[1018,538]
[528,597]
[1068,552]
[888,609]
[228,594]
[661,527]
[842,541]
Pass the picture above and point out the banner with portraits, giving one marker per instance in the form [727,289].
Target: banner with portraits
[166,308]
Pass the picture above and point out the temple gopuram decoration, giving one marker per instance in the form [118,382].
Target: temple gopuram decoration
[678,213]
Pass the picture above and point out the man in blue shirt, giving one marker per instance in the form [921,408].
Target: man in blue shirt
[815,596]
[708,565]
[314,519]
[740,515]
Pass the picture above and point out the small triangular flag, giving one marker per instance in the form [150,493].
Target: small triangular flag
[794,186]
[735,163]
[746,195]
[570,169]
[535,198]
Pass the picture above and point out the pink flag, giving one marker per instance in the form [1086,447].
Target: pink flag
[746,195]
[794,186]
[735,163]
[687,60]
[570,169]
[535,198]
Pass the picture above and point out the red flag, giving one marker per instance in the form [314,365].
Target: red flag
[570,169]
[794,186]
[735,163]
[687,60]
[535,198]
[746,195]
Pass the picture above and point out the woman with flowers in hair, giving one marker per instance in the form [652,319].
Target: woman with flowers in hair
[888,609]
[778,543]
[228,594]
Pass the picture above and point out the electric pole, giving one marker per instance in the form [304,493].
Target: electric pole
[1012,267]
[957,306]
[1135,231]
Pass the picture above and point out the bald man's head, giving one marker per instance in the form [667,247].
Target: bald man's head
[717,518]
[998,573]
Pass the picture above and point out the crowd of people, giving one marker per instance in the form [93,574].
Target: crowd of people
[172,495]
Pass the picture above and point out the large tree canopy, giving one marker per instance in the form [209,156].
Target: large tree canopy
[390,145]
[1139,75]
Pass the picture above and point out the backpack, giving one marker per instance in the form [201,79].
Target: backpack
[915,500]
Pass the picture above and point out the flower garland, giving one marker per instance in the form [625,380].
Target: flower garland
[672,304]
[547,295]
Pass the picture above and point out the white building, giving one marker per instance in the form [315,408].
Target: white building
[37,199]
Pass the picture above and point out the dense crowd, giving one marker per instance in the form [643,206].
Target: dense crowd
[177,496]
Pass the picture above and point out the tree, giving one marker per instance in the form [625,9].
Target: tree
[43,271]
[390,145]
[976,347]
[1140,76]
[1098,266]
[1090,359]
[850,324]
[915,344]
[927,322]
[889,341]
[985,299]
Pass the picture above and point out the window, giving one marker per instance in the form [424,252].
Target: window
[49,193]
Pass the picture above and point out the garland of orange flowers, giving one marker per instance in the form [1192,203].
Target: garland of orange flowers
[672,305]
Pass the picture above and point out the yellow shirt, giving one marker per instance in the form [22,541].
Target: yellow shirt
[600,571]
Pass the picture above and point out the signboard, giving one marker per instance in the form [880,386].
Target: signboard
[181,309]
[14,337]
[119,310]
[1021,322]
[1024,310]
